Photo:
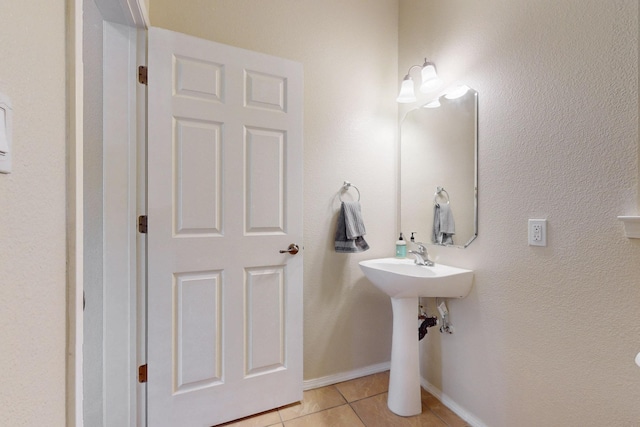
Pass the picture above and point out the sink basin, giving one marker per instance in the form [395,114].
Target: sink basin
[405,282]
[402,278]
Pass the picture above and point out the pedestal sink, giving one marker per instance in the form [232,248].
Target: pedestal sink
[405,282]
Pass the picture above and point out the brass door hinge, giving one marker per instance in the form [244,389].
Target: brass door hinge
[142,224]
[142,75]
[142,373]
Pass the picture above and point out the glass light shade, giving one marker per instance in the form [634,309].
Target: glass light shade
[407,93]
[430,79]
[457,92]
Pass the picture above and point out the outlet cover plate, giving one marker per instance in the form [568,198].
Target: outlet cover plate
[537,232]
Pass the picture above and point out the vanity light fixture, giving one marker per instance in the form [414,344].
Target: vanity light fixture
[430,81]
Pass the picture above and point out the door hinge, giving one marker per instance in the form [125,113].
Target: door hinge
[142,373]
[142,223]
[142,74]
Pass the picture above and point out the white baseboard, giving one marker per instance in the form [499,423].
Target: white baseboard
[345,376]
[451,404]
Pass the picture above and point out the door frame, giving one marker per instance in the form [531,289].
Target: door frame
[121,241]
[133,14]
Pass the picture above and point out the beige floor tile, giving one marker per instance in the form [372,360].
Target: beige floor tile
[315,400]
[326,407]
[340,416]
[360,388]
[374,412]
[260,420]
[438,408]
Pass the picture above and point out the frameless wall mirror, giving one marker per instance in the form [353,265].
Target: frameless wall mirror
[439,170]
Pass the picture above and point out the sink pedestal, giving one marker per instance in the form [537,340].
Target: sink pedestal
[404,377]
[405,282]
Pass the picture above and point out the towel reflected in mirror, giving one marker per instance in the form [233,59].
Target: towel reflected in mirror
[444,226]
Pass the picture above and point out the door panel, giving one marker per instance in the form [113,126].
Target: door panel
[198,357]
[224,197]
[198,204]
[265,178]
[264,308]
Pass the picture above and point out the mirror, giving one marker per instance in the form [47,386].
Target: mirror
[439,149]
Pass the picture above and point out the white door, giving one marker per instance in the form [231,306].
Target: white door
[224,197]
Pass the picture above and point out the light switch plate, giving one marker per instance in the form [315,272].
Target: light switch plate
[6,120]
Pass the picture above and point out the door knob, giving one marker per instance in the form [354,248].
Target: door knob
[292,249]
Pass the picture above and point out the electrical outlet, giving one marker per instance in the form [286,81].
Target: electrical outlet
[537,232]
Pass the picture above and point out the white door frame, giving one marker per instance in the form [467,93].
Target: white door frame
[120,189]
[131,13]
[75,219]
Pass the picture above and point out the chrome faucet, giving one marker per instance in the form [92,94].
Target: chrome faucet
[422,258]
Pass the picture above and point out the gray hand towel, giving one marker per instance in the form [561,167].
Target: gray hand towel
[444,227]
[350,229]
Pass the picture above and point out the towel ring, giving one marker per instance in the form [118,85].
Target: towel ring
[345,187]
[439,191]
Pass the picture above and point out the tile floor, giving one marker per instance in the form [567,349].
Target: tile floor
[361,402]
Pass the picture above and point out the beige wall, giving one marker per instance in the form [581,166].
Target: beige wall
[547,335]
[349,53]
[32,216]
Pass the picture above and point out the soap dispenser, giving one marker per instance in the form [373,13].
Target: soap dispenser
[401,247]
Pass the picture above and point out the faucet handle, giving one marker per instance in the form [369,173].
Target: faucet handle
[422,249]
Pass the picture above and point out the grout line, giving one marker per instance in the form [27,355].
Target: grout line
[316,412]
[343,396]
[358,400]
[280,416]
[439,417]
[357,415]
